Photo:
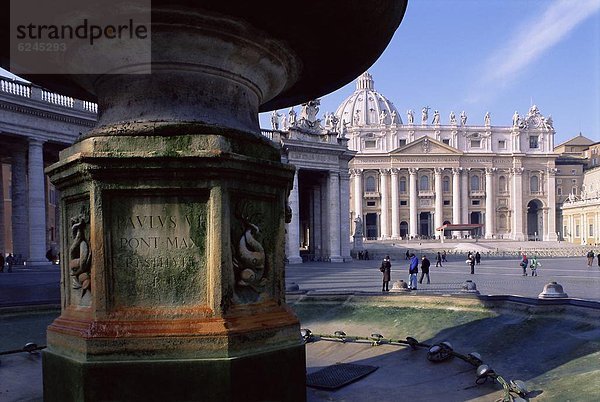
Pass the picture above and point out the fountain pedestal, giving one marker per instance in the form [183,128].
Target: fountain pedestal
[174,211]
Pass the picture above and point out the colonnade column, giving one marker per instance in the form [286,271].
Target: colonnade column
[464,203]
[412,191]
[517,202]
[37,203]
[358,193]
[439,201]
[316,213]
[583,229]
[456,192]
[345,216]
[383,188]
[490,210]
[20,217]
[395,206]
[3,241]
[551,189]
[292,244]
[333,211]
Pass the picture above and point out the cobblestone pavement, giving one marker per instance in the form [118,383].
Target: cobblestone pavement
[492,277]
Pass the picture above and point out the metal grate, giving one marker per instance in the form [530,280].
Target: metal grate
[338,375]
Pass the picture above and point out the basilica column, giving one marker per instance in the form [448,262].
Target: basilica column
[412,188]
[20,217]
[357,193]
[395,206]
[344,208]
[464,203]
[456,192]
[490,210]
[517,203]
[292,243]
[439,200]
[551,191]
[383,188]
[37,203]
[333,212]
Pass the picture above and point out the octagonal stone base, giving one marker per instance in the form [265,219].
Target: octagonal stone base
[268,376]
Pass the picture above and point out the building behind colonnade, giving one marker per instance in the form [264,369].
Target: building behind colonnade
[35,124]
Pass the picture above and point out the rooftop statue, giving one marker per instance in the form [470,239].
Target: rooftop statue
[487,118]
[463,118]
[382,117]
[275,120]
[292,114]
[436,117]
[424,114]
[515,120]
[393,116]
[410,116]
[452,118]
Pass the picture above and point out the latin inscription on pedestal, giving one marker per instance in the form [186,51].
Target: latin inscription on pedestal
[158,250]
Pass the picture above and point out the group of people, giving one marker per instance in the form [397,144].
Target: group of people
[363,255]
[532,263]
[473,259]
[590,258]
[9,261]
[413,271]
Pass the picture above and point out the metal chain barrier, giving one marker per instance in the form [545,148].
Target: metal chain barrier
[514,390]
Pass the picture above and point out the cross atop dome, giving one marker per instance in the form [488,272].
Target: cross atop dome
[365,81]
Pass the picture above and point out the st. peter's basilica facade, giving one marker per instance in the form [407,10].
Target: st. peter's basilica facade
[409,178]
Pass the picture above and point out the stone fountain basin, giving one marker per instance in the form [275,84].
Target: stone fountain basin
[553,346]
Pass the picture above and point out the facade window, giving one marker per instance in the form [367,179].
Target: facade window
[574,191]
[446,141]
[573,171]
[576,230]
[574,181]
[401,143]
[446,184]
[403,184]
[591,231]
[403,202]
[534,184]
[370,203]
[424,183]
[370,144]
[502,144]
[474,183]
[446,202]
[475,143]
[533,142]
[502,184]
[475,202]
[559,190]
[370,184]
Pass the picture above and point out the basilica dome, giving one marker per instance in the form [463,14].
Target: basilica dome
[367,107]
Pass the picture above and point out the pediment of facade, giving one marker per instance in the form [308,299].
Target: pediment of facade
[426,145]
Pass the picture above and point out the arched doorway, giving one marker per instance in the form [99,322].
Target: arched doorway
[425,224]
[403,229]
[535,220]
[476,218]
[371,226]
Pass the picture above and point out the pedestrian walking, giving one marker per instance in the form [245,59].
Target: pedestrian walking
[590,258]
[413,270]
[524,262]
[366,254]
[425,264]
[534,264]
[438,260]
[10,260]
[471,262]
[386,269]
[444,256]
[478,258]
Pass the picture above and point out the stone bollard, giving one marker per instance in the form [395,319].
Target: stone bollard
[400,286]
[292,287]
[553,290]
[469,287]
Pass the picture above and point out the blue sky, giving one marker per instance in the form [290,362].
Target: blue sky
[493,55]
